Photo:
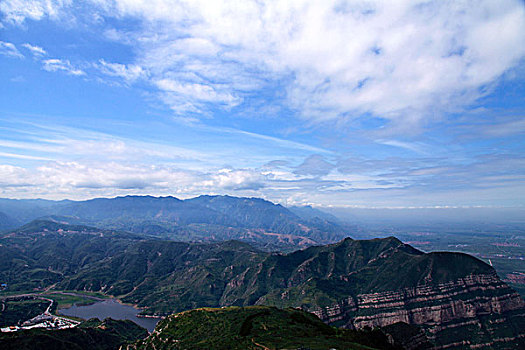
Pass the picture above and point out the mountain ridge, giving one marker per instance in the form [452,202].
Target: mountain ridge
[256,327]
[350,284]
[203,218]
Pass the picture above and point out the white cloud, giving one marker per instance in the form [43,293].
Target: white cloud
[200,92]
[17,11]
[60,179]
[58,65]
[404,61]
[9,50]
[129,73]
[411,146]
[112,176]
[12,176]
[127,168]
[400,60]
[235,179]
[35,50]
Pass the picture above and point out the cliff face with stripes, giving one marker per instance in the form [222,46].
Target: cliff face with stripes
[478,311]
[457,300]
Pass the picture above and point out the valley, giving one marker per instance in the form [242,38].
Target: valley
[262,175]
[347,283]
[110,308]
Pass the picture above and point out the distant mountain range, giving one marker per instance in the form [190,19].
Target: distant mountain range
[453,297]
[204,218]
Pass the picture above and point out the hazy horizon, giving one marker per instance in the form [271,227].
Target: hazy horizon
[400,216]
[345,104]
[389,136]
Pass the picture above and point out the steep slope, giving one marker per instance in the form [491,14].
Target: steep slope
[43,252]
[7,222]
[260,327]
[456,298]
[307,212]
[448,294]
[168,276]
[260,213]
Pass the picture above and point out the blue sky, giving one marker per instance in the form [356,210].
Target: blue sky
[330,103]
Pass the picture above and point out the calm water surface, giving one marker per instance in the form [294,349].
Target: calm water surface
[113,309]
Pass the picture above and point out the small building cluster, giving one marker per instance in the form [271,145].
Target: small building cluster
[46,321]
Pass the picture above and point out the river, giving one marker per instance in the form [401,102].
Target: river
[113,309]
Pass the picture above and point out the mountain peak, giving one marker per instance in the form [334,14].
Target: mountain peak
[40,225]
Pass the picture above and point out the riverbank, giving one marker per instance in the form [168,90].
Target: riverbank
[79,306]
[111,308]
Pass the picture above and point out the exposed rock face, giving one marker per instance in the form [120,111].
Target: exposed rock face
[476,304]
[457,299]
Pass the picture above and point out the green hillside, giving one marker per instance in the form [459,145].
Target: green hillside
[43,252]
[339,282]
[256,327]
[15,312]
[169,277]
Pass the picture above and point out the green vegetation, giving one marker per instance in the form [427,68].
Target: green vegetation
[41,253]
[501,245]
[63,301]
[256,327]
[91,335]
[166,276]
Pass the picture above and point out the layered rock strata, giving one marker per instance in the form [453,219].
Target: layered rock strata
[477,311]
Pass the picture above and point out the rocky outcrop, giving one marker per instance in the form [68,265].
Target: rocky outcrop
[457,300]
[477,304]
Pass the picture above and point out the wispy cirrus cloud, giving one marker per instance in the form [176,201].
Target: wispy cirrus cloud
[9,50]
[60,65]
[35,50]
[515,126]
[67,163]
[411,146]
[128,73]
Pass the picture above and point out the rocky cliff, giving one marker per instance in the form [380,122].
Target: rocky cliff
[480,306]
[458,300]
